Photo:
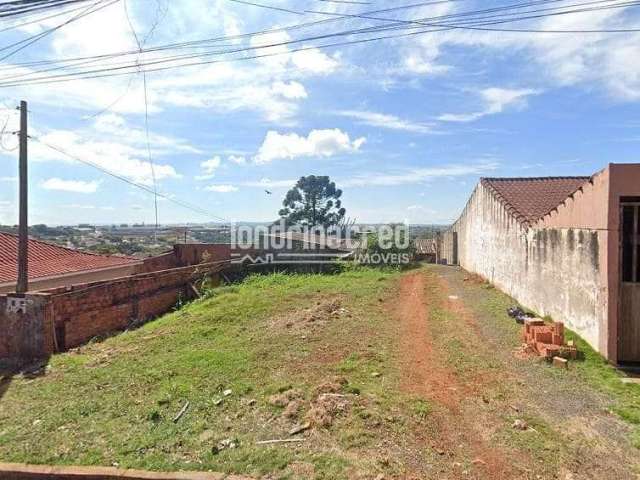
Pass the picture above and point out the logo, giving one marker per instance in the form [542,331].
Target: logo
[290,245]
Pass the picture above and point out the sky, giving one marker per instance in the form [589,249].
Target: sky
[405,126]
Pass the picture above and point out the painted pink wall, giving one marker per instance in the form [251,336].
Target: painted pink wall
[588,208]
[597,207]
[624,182]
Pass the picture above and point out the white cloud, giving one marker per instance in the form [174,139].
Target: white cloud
[593,60]
[110,143]
[108,152]
[221,188]
[291,90]
[382,120]
[496,100]
[419,175]
[319,143]
[209,168]
[82,206]
[269,85]
[237,159]
[77,186]
[268,183]
[314,61]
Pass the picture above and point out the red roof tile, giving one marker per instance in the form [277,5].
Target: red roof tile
[531,198]
[47,260]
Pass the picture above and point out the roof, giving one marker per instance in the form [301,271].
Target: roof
[425,246]
[47,260]
[529,199]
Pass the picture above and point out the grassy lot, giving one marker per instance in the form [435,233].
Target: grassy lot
[113,403]
[584,408]
[408,379]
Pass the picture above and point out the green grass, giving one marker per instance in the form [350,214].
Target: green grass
[113,403]
[592,368]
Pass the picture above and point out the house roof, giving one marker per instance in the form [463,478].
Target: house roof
[47,260]
[529,199]
[425,246]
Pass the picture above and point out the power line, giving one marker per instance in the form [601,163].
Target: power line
[395,25]
[35,38]
[41,19]
[197,43]
[270,7]
[25,8]
[473,23]
[146,112]
[130,82]
[126,180]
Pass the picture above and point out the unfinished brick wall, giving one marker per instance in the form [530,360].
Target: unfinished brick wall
[160,262]
[194,253]
[87,311]
[65,317]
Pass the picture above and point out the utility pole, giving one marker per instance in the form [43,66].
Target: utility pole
[23,228]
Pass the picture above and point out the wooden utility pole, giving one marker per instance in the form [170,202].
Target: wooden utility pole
[23,228]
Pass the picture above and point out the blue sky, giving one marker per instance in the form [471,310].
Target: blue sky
[405,126]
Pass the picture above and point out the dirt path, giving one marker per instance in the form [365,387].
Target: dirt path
[427,375]
[423,374]
[458,355]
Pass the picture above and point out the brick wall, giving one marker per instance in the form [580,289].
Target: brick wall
[159,262]
[65,317]
[194,253]
[87,311]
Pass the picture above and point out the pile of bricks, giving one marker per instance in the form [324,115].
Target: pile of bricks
[547,340]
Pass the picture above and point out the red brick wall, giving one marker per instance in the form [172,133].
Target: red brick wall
[160,262]
[80,312]
[194,253]
[91,310]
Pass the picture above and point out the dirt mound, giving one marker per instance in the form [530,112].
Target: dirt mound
[328,402]
[285,398]
[325,408]
[323,312]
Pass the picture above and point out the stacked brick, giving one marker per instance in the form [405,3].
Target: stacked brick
[547,340]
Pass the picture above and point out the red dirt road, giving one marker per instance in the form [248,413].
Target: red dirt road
[459,436]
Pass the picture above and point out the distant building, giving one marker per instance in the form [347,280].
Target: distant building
[425,249]
[568,247]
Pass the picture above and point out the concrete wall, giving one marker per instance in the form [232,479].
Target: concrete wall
[552,270]
[25,336]
[16,471]
[596,208]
